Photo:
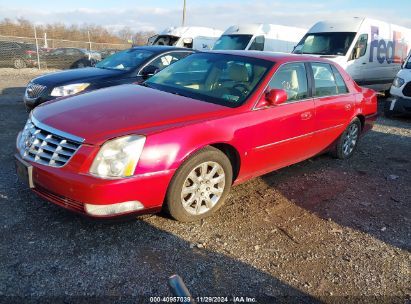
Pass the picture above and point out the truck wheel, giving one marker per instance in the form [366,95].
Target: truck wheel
[19,63]
[348,140]
[200,186]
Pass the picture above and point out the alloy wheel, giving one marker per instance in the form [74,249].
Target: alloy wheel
[350,139]
[203,188]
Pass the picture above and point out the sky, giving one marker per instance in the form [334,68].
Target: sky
[155,15]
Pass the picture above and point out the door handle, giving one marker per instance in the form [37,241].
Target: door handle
[306,115]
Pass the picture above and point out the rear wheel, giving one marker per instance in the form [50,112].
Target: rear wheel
[19,63]
[200,186]
[348,140]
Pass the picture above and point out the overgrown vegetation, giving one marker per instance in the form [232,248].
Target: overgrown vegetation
[24,28]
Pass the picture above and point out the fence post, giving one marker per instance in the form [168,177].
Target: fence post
[37,47]
[89,41]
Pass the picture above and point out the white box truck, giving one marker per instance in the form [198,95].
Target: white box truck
[193,37]
[260,37]
[371,51]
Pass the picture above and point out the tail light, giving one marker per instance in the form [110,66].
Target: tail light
[29,53]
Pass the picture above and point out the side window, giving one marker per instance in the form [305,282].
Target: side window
[167,59]
[180,55]
[57,52]
[257,44]
[324,80]
[341,86]
[73,52]
[9,46]
[360,47]
[292,78]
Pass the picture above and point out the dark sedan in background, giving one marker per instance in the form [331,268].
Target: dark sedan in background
[130,66]
[69,58]
[17,54]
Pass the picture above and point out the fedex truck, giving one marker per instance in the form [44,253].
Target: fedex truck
[371,51]
[193,37]
[260,37]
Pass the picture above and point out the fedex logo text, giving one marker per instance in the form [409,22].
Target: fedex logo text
[392,51]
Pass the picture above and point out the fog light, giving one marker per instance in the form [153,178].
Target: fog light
[104,210]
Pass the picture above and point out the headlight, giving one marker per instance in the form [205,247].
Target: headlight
[118,157]
[69,89]
[398,82]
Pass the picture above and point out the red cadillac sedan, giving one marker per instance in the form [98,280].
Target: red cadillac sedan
[180,141]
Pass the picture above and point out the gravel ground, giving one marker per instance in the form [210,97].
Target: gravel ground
[322,230]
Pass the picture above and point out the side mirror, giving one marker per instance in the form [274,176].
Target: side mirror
[276,97]
[273,97]
[149,71]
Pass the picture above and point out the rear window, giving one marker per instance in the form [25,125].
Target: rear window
[327,80]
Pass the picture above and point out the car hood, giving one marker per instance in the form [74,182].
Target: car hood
[77,76]
[126,109]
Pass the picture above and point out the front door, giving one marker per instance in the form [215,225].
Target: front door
[286,129]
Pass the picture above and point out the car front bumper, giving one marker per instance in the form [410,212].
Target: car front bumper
[72,188]
[398,105]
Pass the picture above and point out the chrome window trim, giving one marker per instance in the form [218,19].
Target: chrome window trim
[56,131]
[162,54]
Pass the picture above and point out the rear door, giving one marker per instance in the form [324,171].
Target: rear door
[334,104]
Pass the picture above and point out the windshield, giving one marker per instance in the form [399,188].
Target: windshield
[166,40]
[335,43]
[408,64]
[232,42]
[125,60]
[217,78]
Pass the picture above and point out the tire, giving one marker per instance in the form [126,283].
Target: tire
[19,63]
[348,140]
[204,193]
[80,65]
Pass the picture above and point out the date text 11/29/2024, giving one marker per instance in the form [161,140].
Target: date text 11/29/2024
[232,299]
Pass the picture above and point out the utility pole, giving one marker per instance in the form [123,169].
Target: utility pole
[184,14]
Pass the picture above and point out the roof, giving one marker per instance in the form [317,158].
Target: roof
[271,56]
[161,48]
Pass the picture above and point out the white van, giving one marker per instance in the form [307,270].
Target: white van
[371,51]
[260,37]
[400,101]
[193,37]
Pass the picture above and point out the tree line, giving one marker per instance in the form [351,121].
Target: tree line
[24,28]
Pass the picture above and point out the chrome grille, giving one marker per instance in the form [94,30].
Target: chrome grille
[46,148]
[34,90]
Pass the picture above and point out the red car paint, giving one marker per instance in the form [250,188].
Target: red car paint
[263,138]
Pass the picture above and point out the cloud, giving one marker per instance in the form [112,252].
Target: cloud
[220,15]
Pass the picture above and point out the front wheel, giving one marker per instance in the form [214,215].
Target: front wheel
[200,186]
[19,63]
[348,140]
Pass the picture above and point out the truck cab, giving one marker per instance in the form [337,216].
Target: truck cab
[260,37]
[192,37]
[371,51]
